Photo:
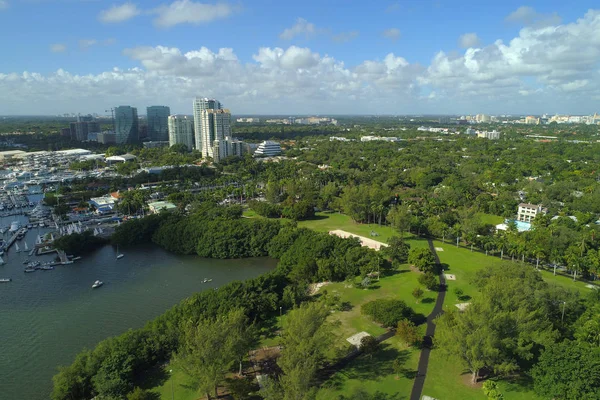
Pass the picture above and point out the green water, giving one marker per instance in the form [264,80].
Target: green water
[47,317]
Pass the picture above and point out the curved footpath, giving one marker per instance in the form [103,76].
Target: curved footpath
[417,389]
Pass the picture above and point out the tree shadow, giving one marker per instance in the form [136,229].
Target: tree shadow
[443,266]
[464,297]
[418,319]
[392,272]
[317,218]
[374,367]
[154,377]
[346,306]
[428,300]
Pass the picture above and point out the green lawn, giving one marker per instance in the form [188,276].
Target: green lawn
[490,219]
[180,392]
[375,374]
[397,286]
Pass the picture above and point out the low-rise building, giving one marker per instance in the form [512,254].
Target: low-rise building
[268,148]
[158,206]
[527,212]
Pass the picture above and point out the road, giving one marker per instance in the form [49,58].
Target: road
[417,389]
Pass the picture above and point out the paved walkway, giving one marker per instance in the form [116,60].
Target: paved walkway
[417,389]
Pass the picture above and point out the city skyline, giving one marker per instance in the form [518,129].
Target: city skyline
[420,57]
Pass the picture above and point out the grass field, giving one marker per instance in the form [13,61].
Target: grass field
[175,382]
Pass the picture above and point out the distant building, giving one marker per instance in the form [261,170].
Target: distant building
[80,130]
[493,135]
[528,212]
[120,159]
[248,120]
[470,131]
[126,124]
[181,131]
[215,125]
[199,105]
[531,120]
[107,137]
[155,145]
[268,149]
[157,117]
[444,120]
[65,132]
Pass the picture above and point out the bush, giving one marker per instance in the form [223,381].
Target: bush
[387,311]
[417,293]
[265,209]
[79,243]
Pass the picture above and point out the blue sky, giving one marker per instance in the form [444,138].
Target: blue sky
[273,57]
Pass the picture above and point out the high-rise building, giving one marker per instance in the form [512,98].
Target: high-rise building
[201,104]
[157,117]
[80,130]
[215,125]
[181,131]
[126,124]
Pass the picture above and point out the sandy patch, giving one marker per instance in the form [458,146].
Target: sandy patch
[365,241]
[439,249]
[591,286]
[462,306]
[355,339]
[314,288]
[450,277]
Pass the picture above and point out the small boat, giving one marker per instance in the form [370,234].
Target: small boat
[2,261]
[26,247]
[119,255]
[17,247]
[207,280]
[46,268]
[29,269]
[97,284]
[14,226]
[4,280]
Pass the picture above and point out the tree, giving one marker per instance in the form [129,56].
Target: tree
[369,345]
[490,389]
[417,293]
[306,340]
[408,332]
[387,311]
[511,296]
[397,250]
[568,370]
[210,349]
[429,280]
[421,258]
[140,394]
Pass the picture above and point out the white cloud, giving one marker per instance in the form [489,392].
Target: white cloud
[301,28]
[85,44]
[189,12]
[527,16]
[3,5]
[392,33]
[344,37]
[58,48]
[119,13]
[469,40]
[541,69]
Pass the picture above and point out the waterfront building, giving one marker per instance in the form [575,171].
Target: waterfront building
[181,131]
[126,124]
[199,105]
[157,120]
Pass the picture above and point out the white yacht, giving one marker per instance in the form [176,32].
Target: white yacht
[14,226]
[97,284]
[119,255]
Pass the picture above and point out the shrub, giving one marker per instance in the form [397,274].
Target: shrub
[408,332]
[387,311]
[429,280]
[423,259]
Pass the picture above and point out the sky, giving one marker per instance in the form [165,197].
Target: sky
[301,57]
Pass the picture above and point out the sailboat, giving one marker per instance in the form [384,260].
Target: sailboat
[17,246]
[26,247]
[119,255]
[2,261]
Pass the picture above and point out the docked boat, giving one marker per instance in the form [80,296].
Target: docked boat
[4,280]
[119,255]
[46,268]
[14,226]
[28,269]
[97,284]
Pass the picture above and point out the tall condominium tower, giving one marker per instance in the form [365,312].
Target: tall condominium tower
[201,104]
[181,131]
[158,129]
[215,125]
[126,124]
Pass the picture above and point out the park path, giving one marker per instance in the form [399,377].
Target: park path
[417,388]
